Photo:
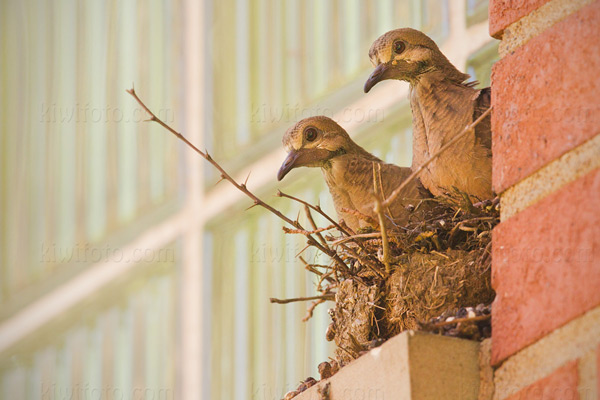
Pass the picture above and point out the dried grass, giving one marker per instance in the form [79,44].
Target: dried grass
[439,265]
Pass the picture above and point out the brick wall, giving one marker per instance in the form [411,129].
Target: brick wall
[546,250]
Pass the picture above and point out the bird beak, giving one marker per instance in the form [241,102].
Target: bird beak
[288,164]
[303,158]
[379,74]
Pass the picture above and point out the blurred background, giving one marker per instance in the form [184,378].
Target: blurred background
[126,272]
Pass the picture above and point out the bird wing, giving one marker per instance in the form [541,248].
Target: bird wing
[361,186]
[483,131]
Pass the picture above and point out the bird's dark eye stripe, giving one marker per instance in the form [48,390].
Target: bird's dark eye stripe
[399,46]
[310,134]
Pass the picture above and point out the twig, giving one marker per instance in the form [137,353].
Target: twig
[329,296]
[359,236]
[207,157]
[364,260]
[311,309]
[317,209]
[379,212]
[303,232]
[344,229]
[314,225]
[360,215]
[384,238]
[242,187]
[445,147]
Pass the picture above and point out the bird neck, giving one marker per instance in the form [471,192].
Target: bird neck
[435,91]
[342,157]
[362,153]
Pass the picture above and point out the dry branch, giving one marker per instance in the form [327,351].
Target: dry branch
[242,186]
[328,296]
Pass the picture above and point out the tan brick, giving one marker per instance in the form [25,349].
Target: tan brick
[560,385]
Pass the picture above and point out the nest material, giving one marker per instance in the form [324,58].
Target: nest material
[421,288]
[439,265]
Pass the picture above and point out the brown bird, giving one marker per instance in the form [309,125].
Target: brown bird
[443,104]
[348,171]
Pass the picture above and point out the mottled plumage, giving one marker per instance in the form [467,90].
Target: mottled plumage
[348,171]
[442,106]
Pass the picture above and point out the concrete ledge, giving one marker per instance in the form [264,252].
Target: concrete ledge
[412,365]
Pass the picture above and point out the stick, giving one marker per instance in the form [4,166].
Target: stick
[314,225]
[445,147]
[379,212]
[303,232]
[207,157]
[359,236]
[311,309]
[329,296]
[343,229]
[365,261]
[317,209]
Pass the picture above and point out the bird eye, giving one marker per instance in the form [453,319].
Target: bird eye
[310,134]
[399,46]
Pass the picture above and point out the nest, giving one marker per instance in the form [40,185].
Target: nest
[436,268]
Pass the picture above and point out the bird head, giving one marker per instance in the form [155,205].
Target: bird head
[312,142]
[407,54]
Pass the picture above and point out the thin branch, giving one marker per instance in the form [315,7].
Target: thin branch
[368,219]
[344,229]
[445,147]
[241,187]
[314,225]
[317,209]
[359,236]
[303,232]
[329,296]
[311,309]
[379,212]
[384,238]
[365,261]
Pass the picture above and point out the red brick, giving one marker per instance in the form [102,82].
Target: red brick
[545,97]
[546,266]
[505,12]
[559,385]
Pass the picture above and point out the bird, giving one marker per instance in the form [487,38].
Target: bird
[443,103]
[348,171]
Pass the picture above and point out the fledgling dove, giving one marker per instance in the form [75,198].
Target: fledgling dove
[348,171]
[442,106]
